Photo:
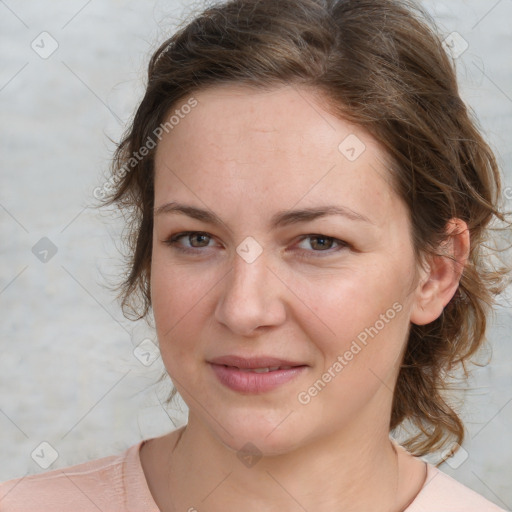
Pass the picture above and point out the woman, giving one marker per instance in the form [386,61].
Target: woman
[309,201]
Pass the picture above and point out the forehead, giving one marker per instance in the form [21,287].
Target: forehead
[243,142]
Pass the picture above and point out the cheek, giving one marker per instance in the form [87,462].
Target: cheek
[177,301]
[365,321]
[348,301]
[175,289]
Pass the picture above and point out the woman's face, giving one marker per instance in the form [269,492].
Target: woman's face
[330,294]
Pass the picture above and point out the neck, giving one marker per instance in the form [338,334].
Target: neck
[348,471]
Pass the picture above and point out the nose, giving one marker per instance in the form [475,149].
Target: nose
[250,299]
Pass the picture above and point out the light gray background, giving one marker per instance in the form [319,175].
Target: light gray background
[68,374]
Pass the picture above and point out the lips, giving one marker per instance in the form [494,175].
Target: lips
[255,375]
[256,363]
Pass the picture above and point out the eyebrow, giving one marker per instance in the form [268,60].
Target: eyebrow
[280,219]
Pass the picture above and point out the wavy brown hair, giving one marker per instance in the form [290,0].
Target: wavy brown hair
[379,64]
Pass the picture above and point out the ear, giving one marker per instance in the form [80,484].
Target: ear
[440,280]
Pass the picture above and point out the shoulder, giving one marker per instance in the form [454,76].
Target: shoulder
[100,484]
[443,492]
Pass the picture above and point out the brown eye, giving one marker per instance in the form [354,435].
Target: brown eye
[197,240]
[322,244]
[200,237]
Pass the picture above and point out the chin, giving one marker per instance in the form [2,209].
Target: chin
[259,436]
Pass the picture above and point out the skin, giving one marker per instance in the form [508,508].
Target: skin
[246,154]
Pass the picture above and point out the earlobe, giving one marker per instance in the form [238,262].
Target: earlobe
[442,274]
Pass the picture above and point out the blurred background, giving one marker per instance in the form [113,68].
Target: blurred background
[77,380]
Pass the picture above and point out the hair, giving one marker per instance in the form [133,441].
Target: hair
[381,65]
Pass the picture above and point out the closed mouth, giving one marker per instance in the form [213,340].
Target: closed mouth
[261,370]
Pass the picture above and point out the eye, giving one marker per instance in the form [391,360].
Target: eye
[324,245]
[202,238]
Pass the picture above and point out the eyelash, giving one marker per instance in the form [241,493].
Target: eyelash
[172,241]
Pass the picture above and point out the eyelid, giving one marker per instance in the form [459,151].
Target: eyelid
[173,240]
[341,245]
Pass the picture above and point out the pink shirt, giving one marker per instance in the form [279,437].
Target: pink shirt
[117,483]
